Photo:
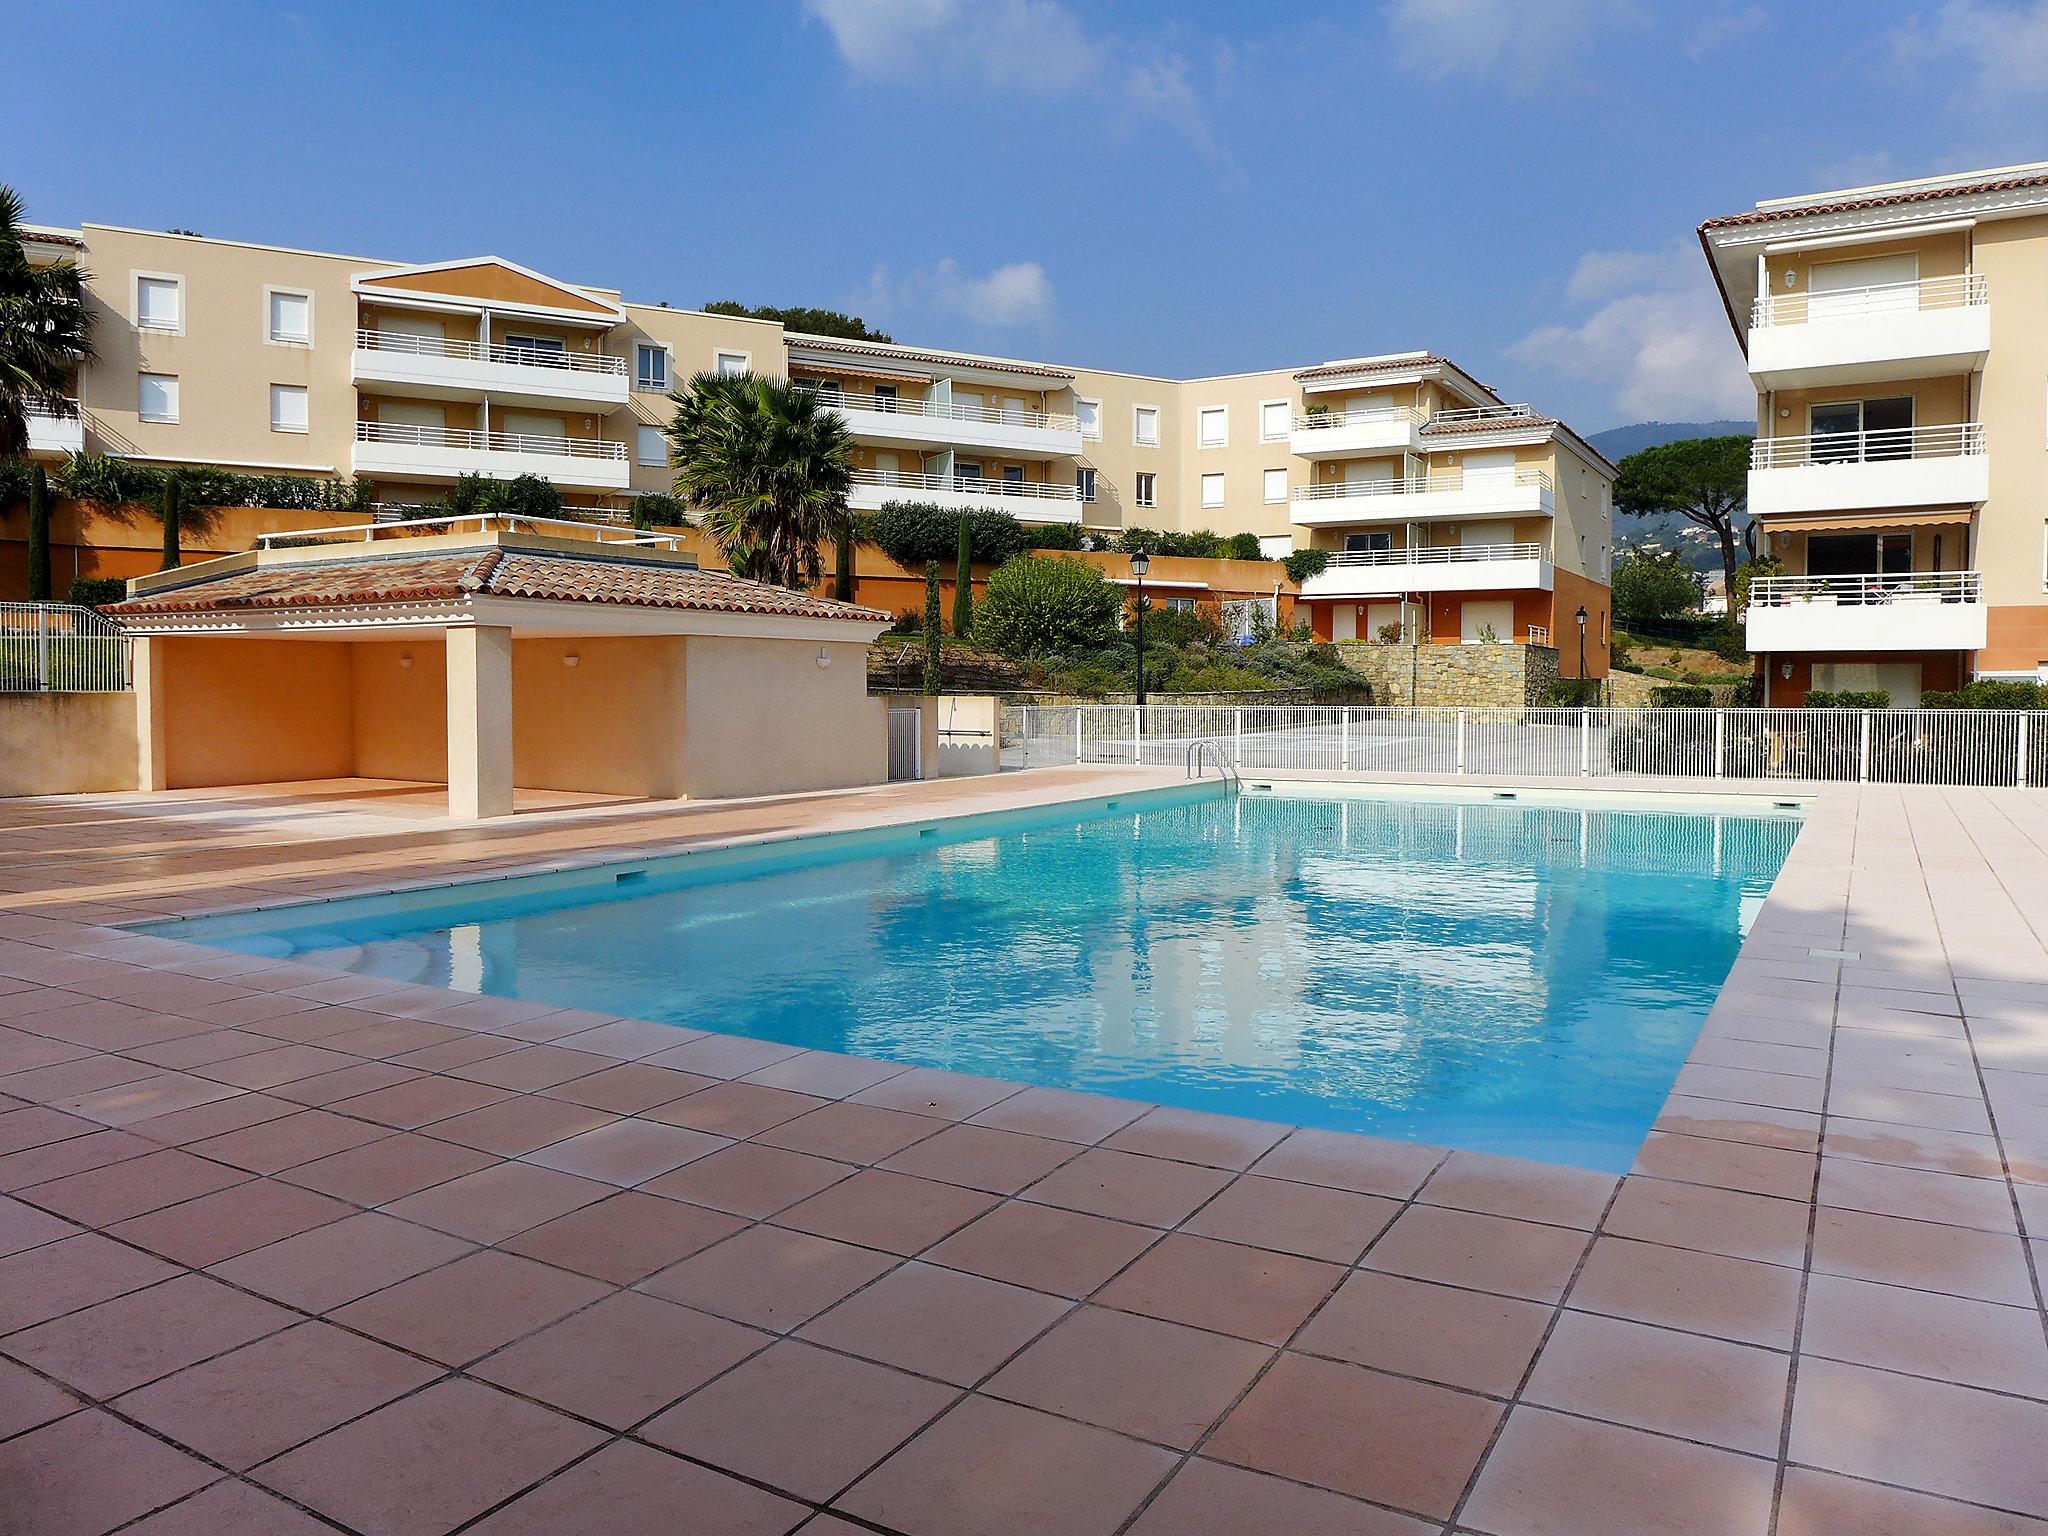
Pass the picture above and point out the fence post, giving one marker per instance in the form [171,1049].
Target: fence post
[1720,737]
[1461,741]
[2020,777]
[1863,752]
[43,647]
[1137,736]
[1585,743]
[1237,734]
[1077,733]
[1344,738]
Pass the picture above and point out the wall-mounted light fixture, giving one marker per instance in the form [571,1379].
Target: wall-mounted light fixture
[824,657]
[405,661]
[571,659]
[1785,670]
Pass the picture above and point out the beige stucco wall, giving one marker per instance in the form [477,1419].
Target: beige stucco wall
[1244,458]
[398,708]
[762,718]
[1118,458]
[613,723]
[66,743]
[2013,256]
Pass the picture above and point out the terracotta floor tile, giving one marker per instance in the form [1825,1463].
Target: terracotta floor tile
[630,1089]
[27,1400]
[456,1313]
[627,1152]
[341,1261]
[286,1064]
[992,1469]
[53,1278]
[515,1125]
[420,1101]
[800,1419]
[1356,1431]
[1124,1186]
[749,1179]
[38,1126]
[1705,1293]
[827,1074]
[890,1211]
[625,1039]
[276,1145]
[89,1473]
[768,1277]
[1247,1292]
[1971,1342]
[398,1037]
[1723,1221]
[1727,1165]
[625,1238]
[1550,1475]
[1366,1164]
[398,1164]
[1156,1380]
[1985,1204]
[458,1051]
[1914,1147]
[490,1205]
[979,1157]
[23,1227]
[1921,1255]
[347,1083]
[428,1462]
[1822,1504]
[1515,1187]
[736,1109]
[1949,1440]
[1674,1383]
[621,1360]
[265,1398]
[231,1221]
[1207,1498]
[1412,1328]
[1215,1141]
[74,1154]
[936,1322]
[1307,1219]
[145,1098]
[851,1133]
[1904,1106]
[941,1095]
[1061,1114]
[1044,1248]
[1488,1253]
[102,1196]
[627,1489]
[229,1509]
[1789,1130]
[535,1067]
[723,1056]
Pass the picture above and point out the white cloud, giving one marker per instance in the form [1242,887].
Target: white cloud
[1015,296]
[1515,40]
[1655,336]
[2005,45]
[1730,26]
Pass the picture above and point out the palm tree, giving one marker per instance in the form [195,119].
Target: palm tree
[769,464]
[45,332]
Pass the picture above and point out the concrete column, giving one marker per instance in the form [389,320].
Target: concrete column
[152,726]
[479,722]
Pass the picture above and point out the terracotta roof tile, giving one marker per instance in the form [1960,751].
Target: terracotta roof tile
[1376,365]
[802,341]
[1488,424]
[489,572]
[1878,200]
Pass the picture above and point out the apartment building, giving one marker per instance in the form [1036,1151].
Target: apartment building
[1898,339]
[1449,514]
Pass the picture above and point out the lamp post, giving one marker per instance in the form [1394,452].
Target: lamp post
[1140,564]
[1582,642]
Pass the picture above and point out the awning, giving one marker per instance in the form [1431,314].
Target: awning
[1866,522]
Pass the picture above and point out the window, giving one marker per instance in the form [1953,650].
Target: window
[735,362]
[1090,412]
[1084,480]
[1013,474]
[885,397]
[158,397]
[1274,419]
[1215,426]
[1145,425]
[652,447]
[290,317]
[1148,490]
[1181,604]
[1212,490]
[287,408]
[650,367]
[1276,486]
[160,303]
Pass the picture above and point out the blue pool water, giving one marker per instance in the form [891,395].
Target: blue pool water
[1512,977]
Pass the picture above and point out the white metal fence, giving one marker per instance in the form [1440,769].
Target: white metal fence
[61,648]
[1892,746]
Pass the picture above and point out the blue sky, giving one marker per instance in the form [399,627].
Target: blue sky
[1178,189]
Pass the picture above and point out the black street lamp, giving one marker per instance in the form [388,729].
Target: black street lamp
[1582,642]
[1140,564]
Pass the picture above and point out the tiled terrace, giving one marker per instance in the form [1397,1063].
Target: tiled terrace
[283,1251]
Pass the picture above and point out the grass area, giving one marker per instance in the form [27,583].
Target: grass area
[1674,661]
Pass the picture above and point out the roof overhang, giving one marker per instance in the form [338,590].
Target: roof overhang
[526,617]
[831,352]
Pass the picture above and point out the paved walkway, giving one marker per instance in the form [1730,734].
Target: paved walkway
[284,1251]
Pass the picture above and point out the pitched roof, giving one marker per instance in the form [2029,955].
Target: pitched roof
[801,341]
[1902,196]
[1489,424]
[1403,363]
[489,571]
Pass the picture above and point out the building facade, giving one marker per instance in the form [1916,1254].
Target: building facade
[1896,335]
[1448,513]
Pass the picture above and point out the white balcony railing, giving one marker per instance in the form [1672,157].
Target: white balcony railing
[1961,291]
[1448,554]
[1863,590]
[368,340]
[1419,485]
[1316,421]
[489,442]
[947,410]
[896,479]
[50,432]
[1959,440]
[1538,635]
[1482,413]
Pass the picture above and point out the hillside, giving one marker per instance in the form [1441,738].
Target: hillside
[1668,531]
[1618,442]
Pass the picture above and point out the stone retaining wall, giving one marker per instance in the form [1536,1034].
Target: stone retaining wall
[1459,676]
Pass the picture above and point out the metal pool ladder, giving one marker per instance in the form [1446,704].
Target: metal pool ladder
[1208,748]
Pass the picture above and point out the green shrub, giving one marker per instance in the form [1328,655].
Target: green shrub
[97,591]
[1054,536]
[1682,696]
[963,580]
[1304,563]
[1848,698]
[932,673]
[912,532]
[110,482]
[657,509]
[1200,625]
[1941,698]
[1573,693]
[1243,546]
[2000,693]
[1654,587]
[1033,606]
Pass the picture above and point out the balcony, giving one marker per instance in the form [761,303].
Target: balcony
[1334,434]
[388,451]
[1524,492]
[1941,466]
[944,424]
[451,370]
[1938,325]
[1028,501]
[50,433]
[1452,568]
[1920,611]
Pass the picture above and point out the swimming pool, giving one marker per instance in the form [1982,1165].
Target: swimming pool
[1508,976]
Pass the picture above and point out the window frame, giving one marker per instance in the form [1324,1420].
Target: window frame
[1145,492]
[720,354]
[135,281]
[1088,483]
[271,293]
[1202,414]
[640,461]
[176,394]
[668,367]
[1138,439]
[1222,490]
[1266,487]
[1095,404]
[1287,427]
[280,391]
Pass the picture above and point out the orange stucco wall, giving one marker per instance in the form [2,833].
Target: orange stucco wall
[2016,639]
[1939,670]
[611,724]
[242,710]
[399,708]
[762,717]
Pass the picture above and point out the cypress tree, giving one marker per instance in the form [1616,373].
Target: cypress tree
[931,626]
[842,562]
[173,511]
[38,535]
[963,582]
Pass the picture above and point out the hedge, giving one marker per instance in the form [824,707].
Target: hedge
[913,532]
